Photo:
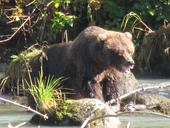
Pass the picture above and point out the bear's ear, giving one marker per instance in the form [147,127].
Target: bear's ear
[128,35]
[101,37]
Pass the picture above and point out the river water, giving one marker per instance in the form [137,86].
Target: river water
[16,115]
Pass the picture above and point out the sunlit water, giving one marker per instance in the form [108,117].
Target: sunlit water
[16,115]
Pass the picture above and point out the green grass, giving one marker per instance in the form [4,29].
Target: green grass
[46,92]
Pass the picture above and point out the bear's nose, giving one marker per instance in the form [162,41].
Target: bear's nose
[131,63]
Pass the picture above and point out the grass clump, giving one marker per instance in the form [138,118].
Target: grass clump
[14,71]
[46,92]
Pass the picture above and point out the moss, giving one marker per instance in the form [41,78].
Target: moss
[74,113]
[66,102]
[162,108]
[59,116]
[68,111]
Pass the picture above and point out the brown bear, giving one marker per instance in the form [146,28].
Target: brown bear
[87,62]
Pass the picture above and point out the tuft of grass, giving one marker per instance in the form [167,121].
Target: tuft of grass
[46,92]
[16,67]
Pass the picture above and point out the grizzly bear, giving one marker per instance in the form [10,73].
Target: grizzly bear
[88,62]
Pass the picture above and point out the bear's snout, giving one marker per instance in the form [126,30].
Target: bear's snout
[131,64]
[128,66]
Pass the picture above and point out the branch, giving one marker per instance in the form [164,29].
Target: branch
[29,17]
[30,3]
[28,108]
[10,125]
[126,112]
[128,125]
[86,121]
[135,91]
[2,41]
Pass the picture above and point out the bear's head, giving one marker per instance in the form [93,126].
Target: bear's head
[117,50]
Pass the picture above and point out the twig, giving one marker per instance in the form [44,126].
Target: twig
[2,41]
[49,4]
[135,91]
[128,125]
[3,82]
[1,36]
[28,108]
[10,125]
[28,18]
[123,113]
[86,121]
[20,125]
[30,3]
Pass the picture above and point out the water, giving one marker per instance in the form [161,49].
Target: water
[156,82]
[16,115]
[144,122]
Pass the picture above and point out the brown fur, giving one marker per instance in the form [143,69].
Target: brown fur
[88,61]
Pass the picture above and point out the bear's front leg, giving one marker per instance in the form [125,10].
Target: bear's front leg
[93,89]
[110,88]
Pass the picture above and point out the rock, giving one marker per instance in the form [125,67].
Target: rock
[151,100]
[128,82]
[164,107]
[155,102]
[75,112]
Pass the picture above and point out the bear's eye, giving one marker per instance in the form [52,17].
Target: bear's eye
[121,52]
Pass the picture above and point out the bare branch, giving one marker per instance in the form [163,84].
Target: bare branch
[10,125]
[128,125]
[2,41]
[3,82]
[123,113]
[28,108]
[30,3]
[135,91]
[86,121]
[28,18]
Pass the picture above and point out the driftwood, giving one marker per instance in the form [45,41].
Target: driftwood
[135,91]
[128,125]
[19,125]
[123,113]
[28,108]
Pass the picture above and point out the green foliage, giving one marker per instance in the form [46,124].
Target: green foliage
[151,11]
[45,92]
[62,15]
[25,56]
[59,23]
[127,18]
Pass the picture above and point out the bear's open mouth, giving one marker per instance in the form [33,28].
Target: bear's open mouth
[127,69]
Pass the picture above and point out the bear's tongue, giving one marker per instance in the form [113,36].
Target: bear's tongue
[126,69]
